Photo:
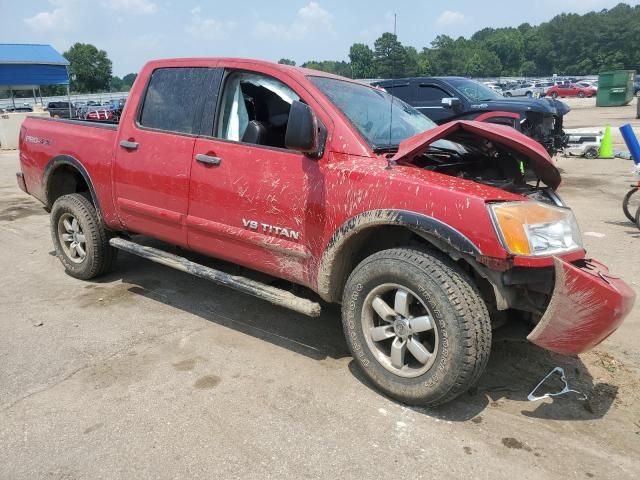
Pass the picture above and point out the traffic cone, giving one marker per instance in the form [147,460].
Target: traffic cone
[606,147]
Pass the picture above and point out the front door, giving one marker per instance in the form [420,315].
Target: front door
[252,200]
[154,152]
[429,102]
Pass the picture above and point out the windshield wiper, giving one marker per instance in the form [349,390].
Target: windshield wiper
[385,148]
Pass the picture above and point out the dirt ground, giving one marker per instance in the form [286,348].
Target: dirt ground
[151,373]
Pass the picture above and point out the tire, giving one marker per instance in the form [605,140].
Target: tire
[458,340]
[554,95]
[629,210]
[580,94]
[591,152]
[73,218]
[508,94]
[638,217]
[529,94]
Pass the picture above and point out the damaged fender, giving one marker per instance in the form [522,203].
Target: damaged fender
[588,305]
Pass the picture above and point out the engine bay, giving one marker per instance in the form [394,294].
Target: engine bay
[471,157]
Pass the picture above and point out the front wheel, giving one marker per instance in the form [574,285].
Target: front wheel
[631,204]
[554,95]
[580,94]
[416,325]
[79,237]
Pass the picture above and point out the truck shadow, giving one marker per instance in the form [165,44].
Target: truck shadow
[316,338]
[514,369]
[515,366]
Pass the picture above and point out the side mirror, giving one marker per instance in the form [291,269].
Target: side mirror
[453,103]
[302,129]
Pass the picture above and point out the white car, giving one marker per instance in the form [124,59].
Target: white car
[583,142]
[585,84]
[528,90]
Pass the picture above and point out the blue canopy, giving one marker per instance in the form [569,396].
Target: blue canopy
[31,65]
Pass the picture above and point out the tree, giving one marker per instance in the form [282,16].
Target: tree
[508,45]
[286,61]
[128,79]
[528,69]
[568,44]
[411,62]
[424,65]
[116,85]
[389,56]
[362,63]
[90,68]
[330,66]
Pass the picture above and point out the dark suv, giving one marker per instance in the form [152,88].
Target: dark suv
[444,99]
[60,109]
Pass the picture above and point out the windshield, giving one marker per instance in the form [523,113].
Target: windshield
[369,111]
[474,91]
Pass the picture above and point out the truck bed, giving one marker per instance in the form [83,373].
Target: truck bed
[47,142]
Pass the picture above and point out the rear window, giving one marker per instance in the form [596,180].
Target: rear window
[403,91]
[173,98]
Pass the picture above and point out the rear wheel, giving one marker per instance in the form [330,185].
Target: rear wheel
[631,204]
[416,325]
[80,239]
[508,94]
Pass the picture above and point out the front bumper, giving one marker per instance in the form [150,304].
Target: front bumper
[588,304]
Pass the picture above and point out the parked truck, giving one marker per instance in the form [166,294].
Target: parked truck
[423,233]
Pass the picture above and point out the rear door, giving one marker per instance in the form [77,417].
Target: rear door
[429,102]
[154,153]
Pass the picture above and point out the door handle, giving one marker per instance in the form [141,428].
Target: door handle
[129,145]
[208,159]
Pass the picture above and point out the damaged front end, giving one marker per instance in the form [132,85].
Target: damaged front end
[587,305]
[574,303]
[546,128]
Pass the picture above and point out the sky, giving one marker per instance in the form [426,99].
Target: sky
[134,31]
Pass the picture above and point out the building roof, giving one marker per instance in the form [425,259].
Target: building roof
[22,53]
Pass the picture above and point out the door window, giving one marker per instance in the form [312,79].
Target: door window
[173,100]
[254,109]
[431,94]
[402,91]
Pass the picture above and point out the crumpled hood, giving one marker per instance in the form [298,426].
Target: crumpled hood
[538,157]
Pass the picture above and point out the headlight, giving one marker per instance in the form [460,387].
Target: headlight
[534,229]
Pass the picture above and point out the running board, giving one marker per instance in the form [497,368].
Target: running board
[271,294]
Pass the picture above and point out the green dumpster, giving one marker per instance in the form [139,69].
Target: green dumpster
[615,89]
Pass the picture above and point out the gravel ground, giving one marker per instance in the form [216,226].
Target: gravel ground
[150,373]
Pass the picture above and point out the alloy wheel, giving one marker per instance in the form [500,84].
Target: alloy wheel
[72,238]
[400,330]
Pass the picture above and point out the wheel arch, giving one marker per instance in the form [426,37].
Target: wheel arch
[377,230]
[63,175]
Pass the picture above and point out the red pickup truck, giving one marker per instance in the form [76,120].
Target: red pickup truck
[425,234]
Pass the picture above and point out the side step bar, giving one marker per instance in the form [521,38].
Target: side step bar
[271,294]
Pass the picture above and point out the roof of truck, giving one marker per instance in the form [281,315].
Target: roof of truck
[249,61]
